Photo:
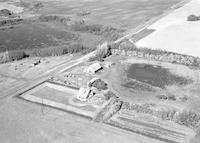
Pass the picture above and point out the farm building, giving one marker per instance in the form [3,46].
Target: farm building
[83,94]
[94,68]
[92,81]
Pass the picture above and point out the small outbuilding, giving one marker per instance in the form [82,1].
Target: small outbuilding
[36,63]
[94,68]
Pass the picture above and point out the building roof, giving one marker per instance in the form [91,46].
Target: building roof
[83,93]
[94,67]
[92,81]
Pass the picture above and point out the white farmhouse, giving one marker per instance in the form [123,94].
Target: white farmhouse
[83,94]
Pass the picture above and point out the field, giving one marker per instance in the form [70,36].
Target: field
[118,13]
[56,27]
[169,32]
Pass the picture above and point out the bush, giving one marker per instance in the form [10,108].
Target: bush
[44,52]
[74,48]
[5,12]
[159,55]
[162,97]
[97,29]
[102,52]
[126,106]
[88,50]
[127,46]
[83,13]
[167,115]
[111,33]
[100,84]
[188,118]
[4,57]
[113,107]
[108,95]
[193,18]
[82,27]
[171,97]
[54,18]
[38,5]
[9,22]
[17,55]
[183,99]
[57,51]
[12,56]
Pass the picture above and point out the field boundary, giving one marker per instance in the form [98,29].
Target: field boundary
[117,125]
[56,108]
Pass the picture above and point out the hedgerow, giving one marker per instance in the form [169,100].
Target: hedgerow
[44,52]
[186,117]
